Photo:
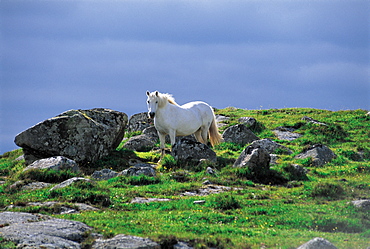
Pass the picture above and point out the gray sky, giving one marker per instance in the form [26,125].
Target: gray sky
[61,55]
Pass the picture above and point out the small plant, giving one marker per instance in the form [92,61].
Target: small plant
[327,189]
[47,175]
[225,202]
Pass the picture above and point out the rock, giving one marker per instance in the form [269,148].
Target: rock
[125,242]
[148,200]
[56,163]
[69,182]
[239,134]
[311,120]
[41,231]
[221,119]
[186,149]
[35,185]
[257,159]
[317,243]
[104,174]
[210,171]
[58,207]
[152,133]
[81,135]
[140,143]
[139,169]
[138,122]
[319,153]
[249,122]
[362,204]
[286,133]
[271,146]
[182,245]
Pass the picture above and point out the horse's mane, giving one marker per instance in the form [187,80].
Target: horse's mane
[168,98]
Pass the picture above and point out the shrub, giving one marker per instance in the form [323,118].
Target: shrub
[225,202]
[47,175]
[326,189]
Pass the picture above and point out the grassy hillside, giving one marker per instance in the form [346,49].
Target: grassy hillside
[251,215]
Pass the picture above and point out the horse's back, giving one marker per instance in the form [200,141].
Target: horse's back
[201,108]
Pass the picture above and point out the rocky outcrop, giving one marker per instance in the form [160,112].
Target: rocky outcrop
[249,122]
[317,243]
[139,169]
[320,154]
[239,134]
[286,133]
[125,242]
[41,231]
[81,135]
[56,163]
[104,174]
[141,143]
[257,159]
[362,204]
[68,182]
[271,146]
[187,149]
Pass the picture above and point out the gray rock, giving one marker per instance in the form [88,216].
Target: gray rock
[35,185]
[248,121]
[138,122]
[182,245]
[81,135]
[186,149]
[54,163]
[239,134]
[152,133]
[140,143]
[148,200]
[210,171]
[286,133]
[319,153]
[311,120]
[271,146]
[139,169]
[69,182]
[125,242]
[41,231]
[317,243]
[104,174]
[362,204]
[257,159]
[58,207]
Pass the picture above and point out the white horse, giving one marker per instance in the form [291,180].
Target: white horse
[170,118]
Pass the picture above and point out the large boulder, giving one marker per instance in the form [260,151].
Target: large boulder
[82,135]
[320,154]
[239,134]
[187,149]
[41,231]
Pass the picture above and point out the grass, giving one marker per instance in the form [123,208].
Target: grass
[280,209]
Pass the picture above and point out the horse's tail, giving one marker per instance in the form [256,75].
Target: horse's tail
[214,135]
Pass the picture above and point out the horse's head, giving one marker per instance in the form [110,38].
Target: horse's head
[152,101]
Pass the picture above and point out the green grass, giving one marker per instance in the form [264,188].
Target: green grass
[278,209]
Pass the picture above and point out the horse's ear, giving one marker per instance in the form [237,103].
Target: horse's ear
[147,93]
[156,93]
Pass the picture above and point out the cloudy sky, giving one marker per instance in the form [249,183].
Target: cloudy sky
[61,55]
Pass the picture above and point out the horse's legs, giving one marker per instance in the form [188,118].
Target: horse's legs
[204,134]
[198,136]
[162,139]
[172,135]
